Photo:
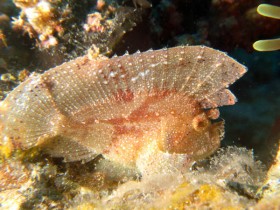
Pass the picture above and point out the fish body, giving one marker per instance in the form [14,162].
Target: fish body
[136,110]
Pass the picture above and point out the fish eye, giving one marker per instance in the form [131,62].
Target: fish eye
[200,122]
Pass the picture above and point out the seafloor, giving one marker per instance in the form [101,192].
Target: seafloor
[244,173]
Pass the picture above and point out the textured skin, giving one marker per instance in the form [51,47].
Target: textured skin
[133,109]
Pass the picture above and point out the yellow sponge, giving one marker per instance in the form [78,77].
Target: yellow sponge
[268,10]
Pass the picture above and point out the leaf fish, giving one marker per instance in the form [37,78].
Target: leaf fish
[141,111]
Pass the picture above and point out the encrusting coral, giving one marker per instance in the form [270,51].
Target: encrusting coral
[40,20]
[48,22]
[205,186]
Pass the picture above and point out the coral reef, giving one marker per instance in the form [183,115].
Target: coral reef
[270,191]
[229,180]
[42,20]
[33,186]
[201,187]
[48,22]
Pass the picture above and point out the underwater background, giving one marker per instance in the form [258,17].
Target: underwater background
[36,35]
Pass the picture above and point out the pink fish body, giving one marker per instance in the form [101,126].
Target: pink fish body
[136,110]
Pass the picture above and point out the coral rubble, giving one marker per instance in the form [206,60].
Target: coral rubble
[270,191]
